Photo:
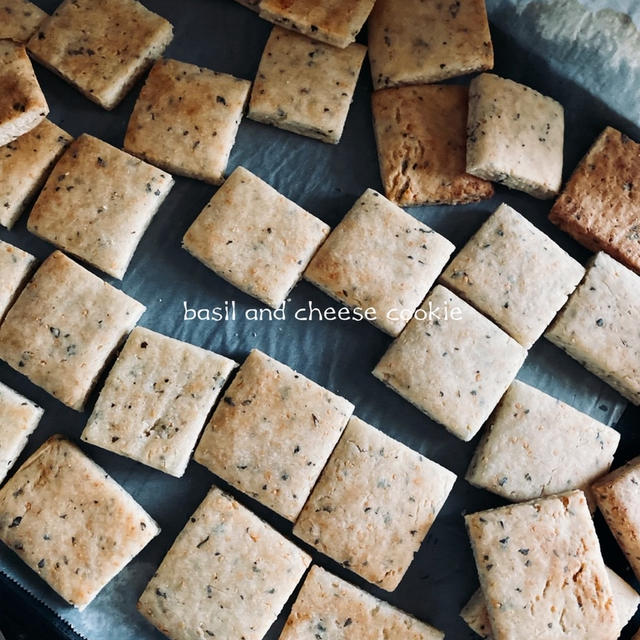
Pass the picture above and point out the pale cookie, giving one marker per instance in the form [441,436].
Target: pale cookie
[186,119]
[452,363]
[156,400]
[22,103]
[97,203]
[15,267]
[599,325]
[600,205]
[536,445]
[625,599]
[336,22]
[255,238]
[421,139]
[515,136]
[328,607]
[424,41]
[227,575]
[19,418]
[101,48]
[514,274]
[64,327]
[618,497]
[541,570]
[272,434]
[476,616]
[70,522]
[25,164]
[374,504]
[20,19]
[305,86]
[380,257]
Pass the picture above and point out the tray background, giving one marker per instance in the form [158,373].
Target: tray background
[326,180]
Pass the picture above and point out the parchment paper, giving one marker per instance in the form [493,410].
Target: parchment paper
[326,180]
[593,43]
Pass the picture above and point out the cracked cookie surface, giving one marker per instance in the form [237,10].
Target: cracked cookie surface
[421,137]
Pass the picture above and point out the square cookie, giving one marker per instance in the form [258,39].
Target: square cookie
[227,575]
[618,497]
[22,103]
[64,327]
[515,274]
[374,504]
[255,238]
[536,445]
[599,325]
[515,136]
[70,522]
[424,41]
[335,22]
[421,138]
[101,48]
[600,205]
[541,570]
[186,119]
[452,363]
[625,599]
[15,267]
[328,607]
[19,418]
[20,19]
[305,86]
[25,164]
[272,434]
[476,616]
[156,400]
[380,257]
[97,203]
